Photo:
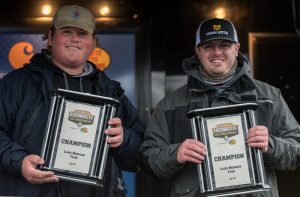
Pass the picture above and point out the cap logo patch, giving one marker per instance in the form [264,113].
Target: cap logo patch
[216,27]
[75,15]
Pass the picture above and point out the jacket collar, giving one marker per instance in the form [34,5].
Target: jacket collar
[44,70]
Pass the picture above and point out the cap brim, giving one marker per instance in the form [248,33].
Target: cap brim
[216,38]
[85,27]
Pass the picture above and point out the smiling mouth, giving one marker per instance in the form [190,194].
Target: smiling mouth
[217,60]
[73,48]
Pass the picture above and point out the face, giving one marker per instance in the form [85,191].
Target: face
[217,56]
[70,48]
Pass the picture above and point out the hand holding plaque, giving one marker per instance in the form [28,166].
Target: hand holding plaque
[258,137]
[33,175]
[191,151]
[115,133]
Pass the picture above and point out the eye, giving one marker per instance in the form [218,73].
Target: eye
[83,33]
[207,46]
[66,31]
[226,44]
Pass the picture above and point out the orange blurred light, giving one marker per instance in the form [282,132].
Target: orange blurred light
[46,9]
[220,12]
[104,10]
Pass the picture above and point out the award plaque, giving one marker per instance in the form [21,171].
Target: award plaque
[231,167]
[74,145]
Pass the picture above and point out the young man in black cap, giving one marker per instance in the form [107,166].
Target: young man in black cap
[218,75]
[24,106]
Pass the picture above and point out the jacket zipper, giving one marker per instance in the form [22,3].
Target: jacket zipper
[35,112]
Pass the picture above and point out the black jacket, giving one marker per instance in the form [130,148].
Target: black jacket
[24,105]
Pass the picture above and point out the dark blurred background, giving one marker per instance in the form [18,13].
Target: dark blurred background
[267,31]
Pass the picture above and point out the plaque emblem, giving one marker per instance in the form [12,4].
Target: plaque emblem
[225,130]
[81,117]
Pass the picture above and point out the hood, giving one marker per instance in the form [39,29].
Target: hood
[43,68]
[196,83]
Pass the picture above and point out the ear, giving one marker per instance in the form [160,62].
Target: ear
[197,50]
[237,48]
[95,42]
[49,41]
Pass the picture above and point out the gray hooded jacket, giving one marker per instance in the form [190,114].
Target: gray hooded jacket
[169,127]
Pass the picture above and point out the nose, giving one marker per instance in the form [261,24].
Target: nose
[217,50]
[74,37]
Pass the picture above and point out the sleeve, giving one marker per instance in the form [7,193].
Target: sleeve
[284,140]
[158,156]
[133,128]
[11,153]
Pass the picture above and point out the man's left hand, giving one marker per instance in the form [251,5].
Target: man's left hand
[115,133]
[258,137]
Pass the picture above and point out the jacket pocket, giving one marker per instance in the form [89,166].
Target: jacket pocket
[29,123]
[186,183]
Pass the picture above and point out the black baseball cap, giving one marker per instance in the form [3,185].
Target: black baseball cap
[215,29]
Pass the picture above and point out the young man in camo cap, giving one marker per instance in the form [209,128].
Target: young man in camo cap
[24,106]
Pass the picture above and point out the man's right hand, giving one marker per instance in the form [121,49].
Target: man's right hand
[191,150]
[34,175]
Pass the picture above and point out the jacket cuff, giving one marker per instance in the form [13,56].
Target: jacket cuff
[269,156]
[17,161]
[173,157]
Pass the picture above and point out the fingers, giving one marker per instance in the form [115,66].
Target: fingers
[115,122]
[192,151]
[33,175]
[39,177]
[115,133]
[258,137]
[258,129]
[35,160]
[115,140]
[32,161]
